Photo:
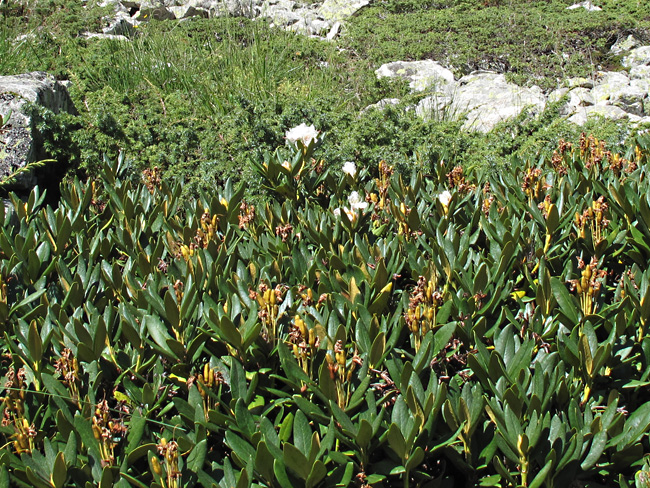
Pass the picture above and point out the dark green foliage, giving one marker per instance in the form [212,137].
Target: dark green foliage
[494,335]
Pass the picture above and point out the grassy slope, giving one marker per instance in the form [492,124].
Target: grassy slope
[200,98]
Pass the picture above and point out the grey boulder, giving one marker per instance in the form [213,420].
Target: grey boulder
[21,143]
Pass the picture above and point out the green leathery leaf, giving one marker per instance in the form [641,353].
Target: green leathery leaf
[70,452]
[59,471]
[377,350]
[242,449]
[480,279]
[346,479]
[171,310]
[281,473]
[140,452]
[318,472]
[107,479]
[358,394]
[197,456]
[296,461]
[243,481]
[341,417]
[568,304]
[264,461]
[35,343]
[244,419]
[396,441]
[159,333]
[364,434]
[541,476]
[585,353]
[4,474]
[598,444]
[301,432]
[415,459]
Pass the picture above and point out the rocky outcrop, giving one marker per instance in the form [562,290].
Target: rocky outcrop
[314,19]
[484,99]
[612,94]
[20,143]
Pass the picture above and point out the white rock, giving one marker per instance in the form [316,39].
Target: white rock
[334,31]
[318,26]
[112,37]
[578,97]
[422,75]
[488,99]
[121,27]
[637,57]
[623,45]
[340,9]
[22,141]
[610,85]
[641,72]
[608,111]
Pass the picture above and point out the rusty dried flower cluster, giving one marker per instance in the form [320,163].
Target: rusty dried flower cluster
[108,431]
[152,178]
[13,415]
[488,199]
[209,383]
[246,215]
[593,217]
[424,302]
[340,369]
[304,343]
[533,184]
[269,313]
[68,367]
[589,284]
[206,233]
[170,476]
[284,231]
[457,180]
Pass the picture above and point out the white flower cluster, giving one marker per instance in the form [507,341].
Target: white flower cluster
[349,168]
[303,133]
[445,198]
[355,204]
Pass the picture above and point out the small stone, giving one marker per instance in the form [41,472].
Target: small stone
[186,12]
[334,31]
[580,82]
[381,104]
[587,5]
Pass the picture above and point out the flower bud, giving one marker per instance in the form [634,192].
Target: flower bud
[155,465]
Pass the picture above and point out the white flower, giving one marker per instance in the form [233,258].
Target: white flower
[302,133]
[445,198]
[356,202]
[352,215]
[349,168]
[286,165]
